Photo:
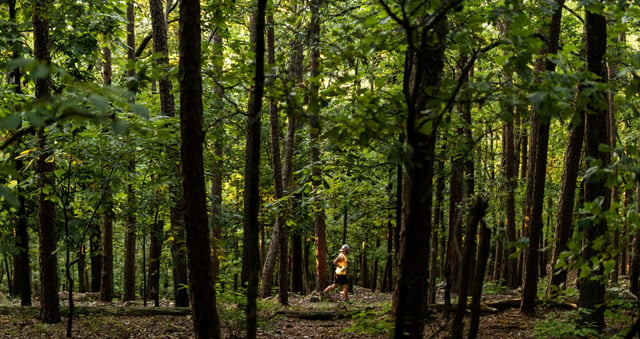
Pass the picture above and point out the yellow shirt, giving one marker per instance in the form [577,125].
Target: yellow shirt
[341,264]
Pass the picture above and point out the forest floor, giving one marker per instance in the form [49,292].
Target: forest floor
[366,316]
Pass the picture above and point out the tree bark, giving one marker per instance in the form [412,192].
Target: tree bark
[273,252]
[322,277]
[21,268]
[49,278]
[634,275]
[251,226]
[536,173]
[592,288]
[566,203]
[106,276]
[156,235]
[424,63]
[203,299]
[95,256]
[130,221]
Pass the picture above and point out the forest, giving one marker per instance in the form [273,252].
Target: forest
[208,158]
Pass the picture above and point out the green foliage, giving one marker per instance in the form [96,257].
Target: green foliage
[372,322]
[563,325]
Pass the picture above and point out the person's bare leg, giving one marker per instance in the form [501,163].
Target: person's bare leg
[345,292]
[329,288]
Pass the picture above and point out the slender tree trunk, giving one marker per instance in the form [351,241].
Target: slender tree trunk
[21,268]
[276,163]
[49,278]
[129,292]
[155,251]
[634,277]
[216,178]
[130,219]
[251,226]
[592,291]
[106,276]
[536,174]
[566,204]
[82,271]
[95,250]
[322,277]
[206,323]
[294,80]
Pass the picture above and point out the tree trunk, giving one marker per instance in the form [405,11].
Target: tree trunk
[536,174]
[95,253]
[634,278]
[82,271]
[468,264]
[478,279]
[276,163]
[130,219]
[206,323]
[155,251]
[216,177]
[592,288]
[424,63]
[294,80]
[49,279]
[251,226]
[566,204]
[129,292]
[106,276]
[322,277]
[21,268]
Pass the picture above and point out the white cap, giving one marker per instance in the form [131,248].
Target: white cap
[345,248]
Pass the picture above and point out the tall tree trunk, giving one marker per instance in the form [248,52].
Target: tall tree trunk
[216,177]
[129,292]
[49,278]
[424,63]
[156,235]
[536,173]
[322,277]
[634,277]
[592,296]
[294,80]
[95,255]
[206,323]
[276,163]
[566,203]
[251,226]
[130,219]
[106,276]
[21,268]
[82,269]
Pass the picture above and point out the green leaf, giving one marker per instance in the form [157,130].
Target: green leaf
[11,122]
[139,110]
[41,71]
[9,197]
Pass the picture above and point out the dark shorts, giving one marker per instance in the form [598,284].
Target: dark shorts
[340,279]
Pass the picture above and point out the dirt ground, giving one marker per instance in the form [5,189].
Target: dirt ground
[366,316]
